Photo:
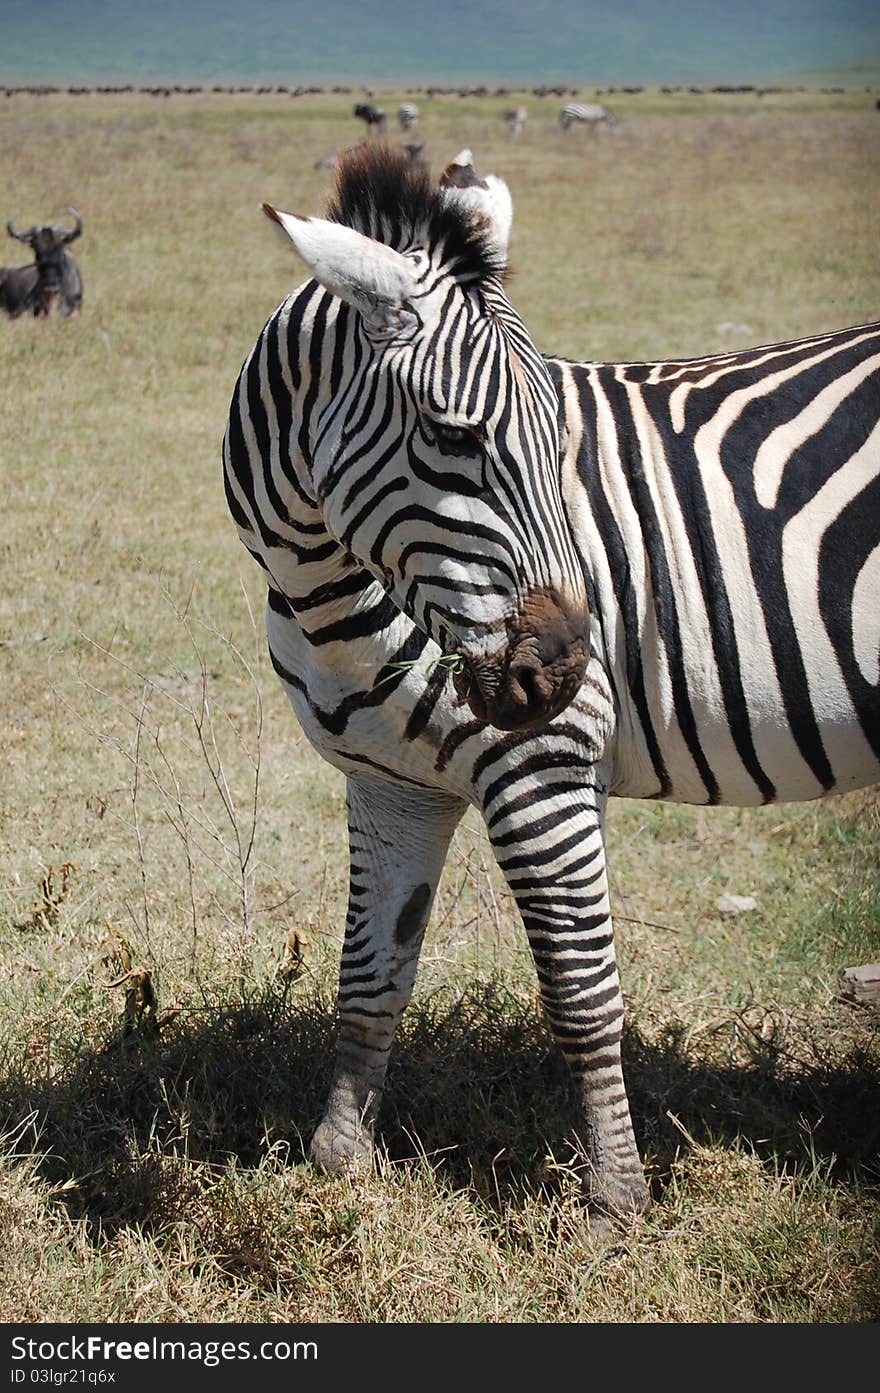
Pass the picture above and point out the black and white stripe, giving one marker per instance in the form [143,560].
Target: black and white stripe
[729,512]
[407,115]
[589,114]
[417,480]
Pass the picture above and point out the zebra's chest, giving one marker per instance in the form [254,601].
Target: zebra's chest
[362,711]
[364,714]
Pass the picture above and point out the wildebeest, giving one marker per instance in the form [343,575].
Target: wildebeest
[52,281]
[515,118]
[373,117]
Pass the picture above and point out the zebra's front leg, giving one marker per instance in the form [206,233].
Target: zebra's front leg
[551,848]
[398,839]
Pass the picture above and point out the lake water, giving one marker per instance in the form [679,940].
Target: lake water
[438,41]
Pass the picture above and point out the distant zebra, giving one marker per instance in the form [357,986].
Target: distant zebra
[515,118]
[372,116]
[407,115]
[657,580]
[590,114]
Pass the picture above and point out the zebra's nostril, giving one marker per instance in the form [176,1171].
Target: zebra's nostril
[528,686]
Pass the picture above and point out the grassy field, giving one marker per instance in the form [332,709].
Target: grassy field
[172,853]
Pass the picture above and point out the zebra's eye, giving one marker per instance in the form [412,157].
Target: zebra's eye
[454,440]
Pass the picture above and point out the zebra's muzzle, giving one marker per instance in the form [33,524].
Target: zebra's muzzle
[537,674]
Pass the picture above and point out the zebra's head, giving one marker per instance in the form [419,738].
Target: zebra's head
[436,459]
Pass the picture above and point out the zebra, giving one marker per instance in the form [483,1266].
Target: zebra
[526,584]
[590,114]
[407,115]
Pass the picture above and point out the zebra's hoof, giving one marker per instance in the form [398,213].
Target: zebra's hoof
[615,1200]
[600,1231]
[340,1150]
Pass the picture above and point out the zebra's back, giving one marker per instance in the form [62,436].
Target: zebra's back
[589,114]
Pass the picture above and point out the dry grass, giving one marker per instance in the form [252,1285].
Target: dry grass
[152,1143]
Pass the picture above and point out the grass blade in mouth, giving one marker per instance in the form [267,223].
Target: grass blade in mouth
[452,661]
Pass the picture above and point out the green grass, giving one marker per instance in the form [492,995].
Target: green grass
[153,1168]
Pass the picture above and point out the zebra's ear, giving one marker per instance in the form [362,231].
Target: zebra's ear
[373,278]
[487,196]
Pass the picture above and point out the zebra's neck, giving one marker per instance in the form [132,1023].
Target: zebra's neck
[278,399]
[350,628]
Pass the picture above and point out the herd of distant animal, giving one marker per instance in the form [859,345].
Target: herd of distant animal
[52,284]
[589,114]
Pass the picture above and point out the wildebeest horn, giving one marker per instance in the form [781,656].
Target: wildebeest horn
[69,236]
[19,236]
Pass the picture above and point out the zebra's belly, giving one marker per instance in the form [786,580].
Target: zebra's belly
[359,725]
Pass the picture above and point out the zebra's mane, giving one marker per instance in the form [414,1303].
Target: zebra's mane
[380,192]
